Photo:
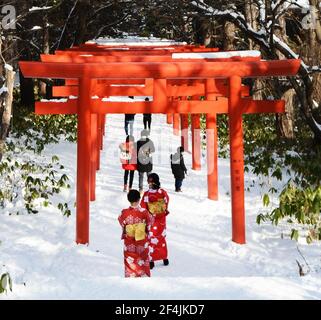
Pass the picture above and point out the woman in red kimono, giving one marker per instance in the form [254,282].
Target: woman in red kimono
[155,200]
[136,223]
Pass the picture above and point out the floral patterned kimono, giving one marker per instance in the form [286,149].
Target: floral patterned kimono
[156,202]
[136,223]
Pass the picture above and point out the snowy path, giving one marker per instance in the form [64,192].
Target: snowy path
[45,263]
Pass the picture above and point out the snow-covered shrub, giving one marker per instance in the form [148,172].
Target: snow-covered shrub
[301,207]
[32,183]
[35,131]
[28,180]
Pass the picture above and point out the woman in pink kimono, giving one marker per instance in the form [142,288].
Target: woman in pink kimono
[136,222]
[155,200]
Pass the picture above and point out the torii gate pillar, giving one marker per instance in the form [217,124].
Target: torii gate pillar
[176,122]
[196,142]
[83,160]
[211,145]
[93,156]
[184,131]
[169,118]
[236,160]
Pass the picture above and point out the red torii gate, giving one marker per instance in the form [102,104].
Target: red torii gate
[137,53]
[175,88]
[235,106]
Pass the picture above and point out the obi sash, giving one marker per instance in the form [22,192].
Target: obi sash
[157,207]
[136,230]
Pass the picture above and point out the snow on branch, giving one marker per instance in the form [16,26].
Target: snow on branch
[39,8]
[8,67]
[291,53]
[3,89]
[239,19]
[35,28]
[299,3]
[315,69]
[288,52]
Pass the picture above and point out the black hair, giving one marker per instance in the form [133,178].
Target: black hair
[133,196]
[180,149]
[130,138]
[154,177]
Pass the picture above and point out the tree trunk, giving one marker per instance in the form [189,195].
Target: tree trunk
[6,106]
[251,15]
[6,94]
[316,18]
[83,10]
[286,120]
[26,92]
[26,84]
[202,30]
[46,50]
[229,36]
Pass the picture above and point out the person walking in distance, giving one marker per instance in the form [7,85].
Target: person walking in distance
[147,119]
[128,158]
[145,148]
[178,168]
[129,121]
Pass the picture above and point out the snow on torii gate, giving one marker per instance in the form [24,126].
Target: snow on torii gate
[87,73]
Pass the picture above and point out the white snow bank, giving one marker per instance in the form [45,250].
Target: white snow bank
[40,253]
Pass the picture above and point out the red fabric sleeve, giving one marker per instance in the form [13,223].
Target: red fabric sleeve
[121,218]
[166,197]
[149,219]
[143,204]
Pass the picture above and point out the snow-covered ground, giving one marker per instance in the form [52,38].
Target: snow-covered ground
[44,261]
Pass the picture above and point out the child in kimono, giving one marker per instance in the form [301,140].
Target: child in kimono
[136,223]
[155,200]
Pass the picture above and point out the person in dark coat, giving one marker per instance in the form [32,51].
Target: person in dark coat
[147,119]
[178,168]
[145,147]
[129,121]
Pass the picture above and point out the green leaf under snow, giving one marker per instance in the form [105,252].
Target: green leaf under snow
[266,200]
